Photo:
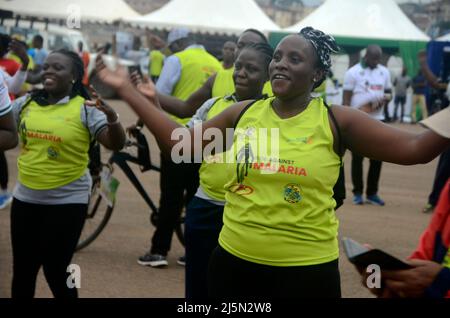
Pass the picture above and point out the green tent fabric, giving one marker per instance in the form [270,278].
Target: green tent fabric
[407,50]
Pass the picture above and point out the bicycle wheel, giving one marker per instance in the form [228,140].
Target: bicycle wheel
[99,213]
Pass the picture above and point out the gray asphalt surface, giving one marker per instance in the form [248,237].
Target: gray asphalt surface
[109,266]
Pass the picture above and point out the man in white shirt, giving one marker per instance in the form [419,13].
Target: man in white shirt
[367,86]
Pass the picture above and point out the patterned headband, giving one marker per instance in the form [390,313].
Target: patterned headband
[323,43]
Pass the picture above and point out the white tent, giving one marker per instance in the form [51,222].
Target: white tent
[208,16]
[378,19]
[86,10]
[444,38]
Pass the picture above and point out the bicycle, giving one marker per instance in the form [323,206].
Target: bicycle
[102,175]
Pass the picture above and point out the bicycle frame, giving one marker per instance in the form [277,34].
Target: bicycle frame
[122,159]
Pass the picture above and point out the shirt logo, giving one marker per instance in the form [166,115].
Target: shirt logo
[292,193]
[241,189]
[52,153]
[306,140]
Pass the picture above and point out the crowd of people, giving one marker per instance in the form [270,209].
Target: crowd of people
[253,227]
[261,236]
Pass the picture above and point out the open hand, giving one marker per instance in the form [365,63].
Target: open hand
[19,49]
[116,79]
[101,105]
[413,282]
[144,85]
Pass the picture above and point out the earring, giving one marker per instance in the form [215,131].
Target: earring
[73,81]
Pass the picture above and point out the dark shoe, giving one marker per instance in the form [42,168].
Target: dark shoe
[182,260]
[375,200]
[153,260]
[358,199]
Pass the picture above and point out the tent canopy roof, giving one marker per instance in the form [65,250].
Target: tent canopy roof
[89,10]
[365,19]
[444,38]
[208,16]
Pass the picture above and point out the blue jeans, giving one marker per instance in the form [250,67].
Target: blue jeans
[202,227]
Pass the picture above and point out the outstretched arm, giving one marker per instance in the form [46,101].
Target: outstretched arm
[374,139]
[184,109]
[15,82]
[157,121]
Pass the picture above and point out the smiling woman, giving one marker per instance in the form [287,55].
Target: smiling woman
[280,239]
[56,126]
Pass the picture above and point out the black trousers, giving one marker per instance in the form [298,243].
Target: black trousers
[178,183]
[440,178]
[230,276]
[44,235]
[386,113]
[373,176]
[3,171]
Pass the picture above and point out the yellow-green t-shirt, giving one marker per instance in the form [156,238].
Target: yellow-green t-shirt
[279,207]
[213,173]
[197,65]
[156,62]
[54,145]
[223,83]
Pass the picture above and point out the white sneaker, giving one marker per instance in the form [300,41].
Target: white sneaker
[153,260]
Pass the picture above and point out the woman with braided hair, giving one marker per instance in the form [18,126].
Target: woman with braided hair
[56,126]
[205,211]
[279,237]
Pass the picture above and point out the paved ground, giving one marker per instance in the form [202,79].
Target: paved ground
[109,267]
